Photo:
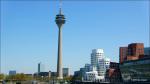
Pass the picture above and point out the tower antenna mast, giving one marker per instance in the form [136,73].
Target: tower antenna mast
[60,6]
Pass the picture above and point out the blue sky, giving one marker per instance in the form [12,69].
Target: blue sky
[29,33]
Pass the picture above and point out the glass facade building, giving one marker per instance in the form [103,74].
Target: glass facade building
[41,67]
[136,70]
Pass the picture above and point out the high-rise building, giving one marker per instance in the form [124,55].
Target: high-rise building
[41,67]
[60,20]
[99,61]
[12,72]
[96,55]
[66,72]
[123,54]
[95,71]
[101,68]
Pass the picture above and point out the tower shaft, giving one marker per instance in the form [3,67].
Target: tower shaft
[59,60]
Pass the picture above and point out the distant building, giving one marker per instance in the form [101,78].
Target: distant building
[80,74]
[92,76]
[66,72]
[12,72]
[113,74]
[97,68]
[99,61]
[41,67]
[77,74]
[53,74]
[95,71]
[147,51]
[42,74]
[96,55]
[114,65]
[101,68]
[123,54]
[136,68]
[107,63]
[87,67]
[134,51]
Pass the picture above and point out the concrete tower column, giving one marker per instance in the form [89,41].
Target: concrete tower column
[59,60]
[60,20]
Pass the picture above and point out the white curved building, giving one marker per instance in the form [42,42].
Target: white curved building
[98,60]
[107,63]
[96,55]
[92,76]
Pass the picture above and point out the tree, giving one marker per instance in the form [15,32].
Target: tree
[17,77]
[1,76]
[20,77]
[69,78]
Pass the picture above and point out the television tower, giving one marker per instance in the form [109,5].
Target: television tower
[60,20]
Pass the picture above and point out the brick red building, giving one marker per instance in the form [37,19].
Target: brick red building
[123,54]
[113,74]
[134,51]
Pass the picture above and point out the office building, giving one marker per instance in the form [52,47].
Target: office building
[43,74]
[96,55]
[136,68]
[53,74]
[12,72]
[98,59]
[107,63]
[66,72]
[92,76]
[88,67]
[41,67]
[123,54]
[95,71]
[134,51]
[147,51]
[80,74]
[99,64]
[113,74]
